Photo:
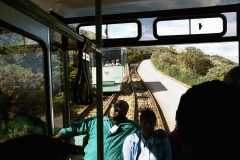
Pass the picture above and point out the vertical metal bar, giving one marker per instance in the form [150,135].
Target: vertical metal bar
[106,31]
[98,21]
[66,108]
[48,88]
[190,26]
[238,34]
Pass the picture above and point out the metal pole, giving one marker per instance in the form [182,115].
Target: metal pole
[98,21]
[66,107]
[190,26]
[106,31]
[48,89]
[238,34]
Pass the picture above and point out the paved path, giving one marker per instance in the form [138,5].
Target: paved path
[166,91]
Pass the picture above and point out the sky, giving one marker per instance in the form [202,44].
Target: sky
[228,50]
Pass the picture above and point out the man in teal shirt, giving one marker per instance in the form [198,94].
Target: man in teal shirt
[116,128]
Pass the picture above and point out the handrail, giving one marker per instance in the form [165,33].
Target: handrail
[31,9]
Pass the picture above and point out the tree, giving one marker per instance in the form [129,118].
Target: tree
[217,72]
[167,58]
[195,60]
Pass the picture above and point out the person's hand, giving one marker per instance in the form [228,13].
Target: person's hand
[161,134]
[56,136]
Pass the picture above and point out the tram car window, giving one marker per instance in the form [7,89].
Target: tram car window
[21,81]
[114,76]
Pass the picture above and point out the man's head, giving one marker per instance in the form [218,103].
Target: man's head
[233,77]
[209,115]
[148,123]
[119,110]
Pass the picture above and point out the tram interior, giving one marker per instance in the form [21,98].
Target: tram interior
[35,51]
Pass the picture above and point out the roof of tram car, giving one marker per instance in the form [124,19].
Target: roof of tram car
[83,8]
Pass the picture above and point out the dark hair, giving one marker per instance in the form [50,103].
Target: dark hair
[122,104]
[208,113]
[148,113]
[232,77]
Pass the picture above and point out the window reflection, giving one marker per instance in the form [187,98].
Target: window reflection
[22,85]
[111,31]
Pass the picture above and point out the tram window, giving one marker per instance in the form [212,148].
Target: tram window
[165,28]
[125,30]
[57,81]
[205,25]
[231,23]
[213,25]
[197,26]
[21,84]
[112,31]
[109,55]
[56,36]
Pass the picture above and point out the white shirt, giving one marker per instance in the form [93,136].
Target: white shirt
[146,149]
[137,148]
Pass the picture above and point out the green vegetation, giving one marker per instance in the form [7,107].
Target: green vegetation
[19,126]
[190,66]
[136,54]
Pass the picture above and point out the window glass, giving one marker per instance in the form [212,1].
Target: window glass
[22,86]
[190,26]
[56,36]
[111,31]
[57,81]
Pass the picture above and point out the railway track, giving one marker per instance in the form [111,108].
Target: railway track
[135,93]
[144,99]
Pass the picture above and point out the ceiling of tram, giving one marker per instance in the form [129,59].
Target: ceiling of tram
[84,8]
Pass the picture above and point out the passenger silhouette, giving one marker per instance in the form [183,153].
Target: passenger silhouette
[232,77]
[208,115]
[113,63]
[107,63]
[118,62]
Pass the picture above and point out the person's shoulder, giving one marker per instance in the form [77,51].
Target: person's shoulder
[134,137]
[162,142]
[106,118]
[174,135]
